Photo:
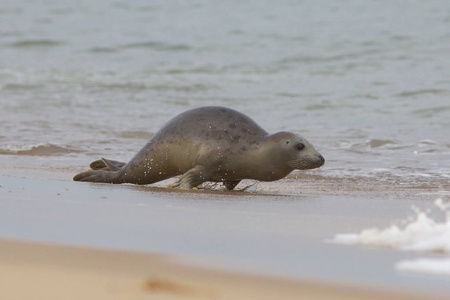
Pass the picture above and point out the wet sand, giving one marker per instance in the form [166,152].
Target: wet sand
[268,242]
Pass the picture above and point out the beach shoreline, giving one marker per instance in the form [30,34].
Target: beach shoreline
[38,271]
[52,226]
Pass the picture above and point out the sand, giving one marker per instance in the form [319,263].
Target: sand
[37,271]
[161,243]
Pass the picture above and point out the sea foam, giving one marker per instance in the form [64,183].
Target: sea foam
[436,266]
[422,234]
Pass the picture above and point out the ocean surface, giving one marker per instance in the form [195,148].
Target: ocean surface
[367,82]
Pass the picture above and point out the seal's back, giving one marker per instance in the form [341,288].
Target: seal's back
[214,122]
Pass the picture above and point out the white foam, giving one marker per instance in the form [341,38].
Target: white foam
[420,234]
[436,266]
[18,148]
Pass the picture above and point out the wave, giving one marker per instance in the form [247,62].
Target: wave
[18,87]
[135,134]
[35,43]
[37,150]
[380,144]
[431,112]
[151,45]
[421,234]
[421,92]
[373,144]
[102,50]
[311,59]
[159,46]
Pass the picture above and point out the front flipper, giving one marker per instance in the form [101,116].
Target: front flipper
[105,164]
[192,178]
[231,184]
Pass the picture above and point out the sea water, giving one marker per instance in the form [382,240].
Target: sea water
[367,82]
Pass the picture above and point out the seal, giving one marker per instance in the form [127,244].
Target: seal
[210,143]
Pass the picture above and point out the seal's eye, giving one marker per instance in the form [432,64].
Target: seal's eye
[300,146]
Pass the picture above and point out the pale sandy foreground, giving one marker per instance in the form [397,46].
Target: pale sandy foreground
[269,242]
[37,271]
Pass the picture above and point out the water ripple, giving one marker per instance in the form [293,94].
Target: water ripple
[421,92]
[431,112]
[159,46]
[36,43]
[37,150]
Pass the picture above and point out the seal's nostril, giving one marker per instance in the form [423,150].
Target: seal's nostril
[322,158]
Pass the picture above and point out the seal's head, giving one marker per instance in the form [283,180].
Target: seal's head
[291,151]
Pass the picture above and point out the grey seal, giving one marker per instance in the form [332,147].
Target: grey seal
[210,143]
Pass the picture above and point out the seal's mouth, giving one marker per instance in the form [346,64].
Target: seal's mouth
[305,164]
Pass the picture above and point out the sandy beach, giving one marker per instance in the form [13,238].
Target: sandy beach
[36,271]
[161,243]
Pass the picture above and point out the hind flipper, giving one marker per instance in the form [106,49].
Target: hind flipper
[111,165]
[101,165]
[97,176]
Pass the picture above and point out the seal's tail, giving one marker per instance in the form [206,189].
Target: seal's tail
[103,170]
